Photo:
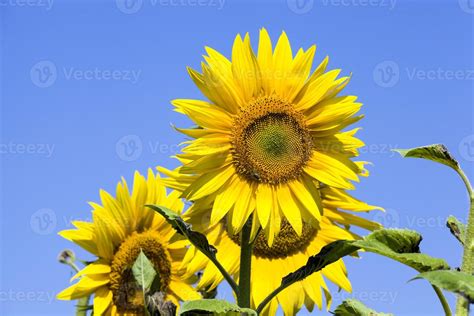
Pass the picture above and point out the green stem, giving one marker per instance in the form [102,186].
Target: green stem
[267,299]
[443,301]
[462,304]
[245,266]
[226,275]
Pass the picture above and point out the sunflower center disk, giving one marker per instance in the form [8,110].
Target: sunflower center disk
[285,244]
[127,294]
[271,143]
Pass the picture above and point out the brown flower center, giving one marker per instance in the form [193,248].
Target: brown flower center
[127,294]
[271,142]
[285,244]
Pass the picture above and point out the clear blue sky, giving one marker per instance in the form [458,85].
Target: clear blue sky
[85,91]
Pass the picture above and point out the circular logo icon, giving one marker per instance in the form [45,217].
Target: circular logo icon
[129,6]
[43,74]
[300,6]
[389,218]
[466,148]
[43,221]
[467,6]
[386,74]
[129,148]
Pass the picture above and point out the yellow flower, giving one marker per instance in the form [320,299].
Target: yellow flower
[268,138]
[120,228]
[288,253]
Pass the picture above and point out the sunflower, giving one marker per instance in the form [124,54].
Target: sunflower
[289,252]
[269,137]
[121,227]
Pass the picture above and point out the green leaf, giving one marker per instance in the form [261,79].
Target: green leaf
[328,254]
[450,280]
[197,239]
[437,152]
[144,272]
[398,244]
[403,246]
[352,307]
[457,228]
[213,307]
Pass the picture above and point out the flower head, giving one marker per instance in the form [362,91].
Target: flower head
[122,227]
[268,138]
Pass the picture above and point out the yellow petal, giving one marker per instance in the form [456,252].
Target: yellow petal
[282,60]
[225,199]
[204,114]
[264,201]
[99,267]
[289,208]
[102,300]
[265,60]
[208,183]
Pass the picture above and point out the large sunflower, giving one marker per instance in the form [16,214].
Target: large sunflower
[288,253]
[120,228]
[268,138]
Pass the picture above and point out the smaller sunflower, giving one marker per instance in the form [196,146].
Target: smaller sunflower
[288,252]
[120,228]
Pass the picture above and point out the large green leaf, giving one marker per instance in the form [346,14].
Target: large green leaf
[213,307]
[457,228]
[398,244]
[144,272]
[437,152]
[352,307]
[401,245]
[450,280]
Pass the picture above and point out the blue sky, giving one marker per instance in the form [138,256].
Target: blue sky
[85,91]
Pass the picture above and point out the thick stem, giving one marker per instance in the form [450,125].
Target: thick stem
[462,304]
[443,301]
[245,266]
